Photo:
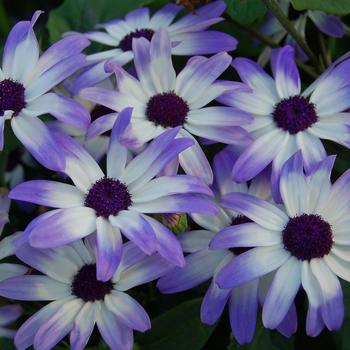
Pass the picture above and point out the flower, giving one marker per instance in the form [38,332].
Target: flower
[204,263]
[116,202]
[188,37]
[24,85]
[328,24]
[78,300]
[305,241]
[286,120]
[9,313]
[162,100]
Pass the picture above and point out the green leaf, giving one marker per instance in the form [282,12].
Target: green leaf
[6,344]
[245,11]
[336,7]
[178,329]
[83,15]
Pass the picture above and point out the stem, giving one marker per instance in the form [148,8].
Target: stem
[274,7]
[307,69]
[325,54]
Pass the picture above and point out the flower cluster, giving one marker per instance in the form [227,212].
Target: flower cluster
[129,153]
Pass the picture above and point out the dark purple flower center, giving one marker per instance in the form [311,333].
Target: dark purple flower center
[11,96]
[108,197]
[307,237]
[86,286]
[167,109]
[126,43]
[294,114]
[238,220]
[99,111]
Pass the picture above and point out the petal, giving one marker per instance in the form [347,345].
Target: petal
[200,267]
[168,185]
[135,228]
[109,249]
[332,307]
[114,333]
[9,314]
[168,245]
[339,266]
[245,235]
[282,292]
[243,311]
[196,240]
[263,213]
[58,325]
[83,326]
[330,25]
[164,16]
[49,261]
[49,193]
[33,288]
[8,270]
[194,161]
[250,265]
[66,226]
[161,68]
[36,137]
[21,42]
[25,335]
[252,161]
[203,43]
[286,72]
[128,311]
[53,76]
[61,107]
[332,131]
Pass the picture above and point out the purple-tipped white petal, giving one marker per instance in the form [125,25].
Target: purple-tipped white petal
[25,335]
[328,24]
[49,261]
[164,16]
[49,193]
[286,72]
[53,76]
[263,213]
[250,265]
[289,324]
[135,228]
[58,325]
[332,307]
[243,311]
[114,333]
[178,203]
[36,137]
[196,240]
[194,162]
[8,270]
[20,43]
[161,68]
[339,266]
[128,311]
[83,326]
[109,249]
[147,269]
[168,245]
[9,314]
[199,267]
[252,161]
[203,43]
[66,226]
[282,292]
[61,107]
[245,235]
[34,288]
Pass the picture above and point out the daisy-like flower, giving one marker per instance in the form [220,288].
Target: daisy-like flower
[9,313]
[116,202]
[78,299]
[306,243]
[328,24]
[25,79]
[162,100]
[286,120]
[188,37]
[203,263]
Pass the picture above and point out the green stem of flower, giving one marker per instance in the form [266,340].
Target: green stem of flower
[275,8]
